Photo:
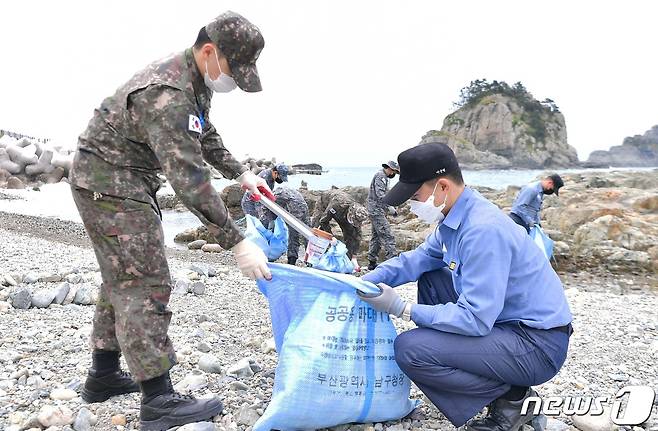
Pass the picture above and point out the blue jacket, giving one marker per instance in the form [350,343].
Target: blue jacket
[498,272]
[528,203]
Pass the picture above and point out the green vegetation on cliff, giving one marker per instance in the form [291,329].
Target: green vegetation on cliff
[480,90]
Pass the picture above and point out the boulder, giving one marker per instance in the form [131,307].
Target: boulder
[63,161]
[43,165]
[7,164]
[85,295]
[15,183]
[43,298]
[22,156]
[53,176]
[61,292]
[21,298]
[6,140]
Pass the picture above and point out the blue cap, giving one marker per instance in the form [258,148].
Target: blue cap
[282,170]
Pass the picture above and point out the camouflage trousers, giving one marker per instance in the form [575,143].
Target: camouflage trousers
[381,237]
[131,314]
[295,239]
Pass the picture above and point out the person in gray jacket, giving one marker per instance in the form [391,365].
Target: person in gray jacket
[292,201]
[277,174]
[377,210]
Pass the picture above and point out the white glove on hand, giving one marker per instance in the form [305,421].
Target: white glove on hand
[388,301]
[251,260]
[251,182]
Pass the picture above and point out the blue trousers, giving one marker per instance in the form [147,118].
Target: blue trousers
[462,374]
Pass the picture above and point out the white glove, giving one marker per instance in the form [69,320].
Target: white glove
[357,267]
[251,182]
[251,260]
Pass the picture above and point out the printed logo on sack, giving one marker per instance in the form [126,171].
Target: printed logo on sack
[633,409]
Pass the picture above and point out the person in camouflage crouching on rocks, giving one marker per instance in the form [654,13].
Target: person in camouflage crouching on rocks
[158,122]
[350,215]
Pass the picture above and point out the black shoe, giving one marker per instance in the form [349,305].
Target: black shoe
[173,409]
[292,260]
[99,389]
[372,265]
[505,415]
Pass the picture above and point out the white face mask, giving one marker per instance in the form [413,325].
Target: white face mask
[223,83]
[426,211]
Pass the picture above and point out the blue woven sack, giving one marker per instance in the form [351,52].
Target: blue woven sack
[273,243]
[542,240]
[336,360]
[335,259]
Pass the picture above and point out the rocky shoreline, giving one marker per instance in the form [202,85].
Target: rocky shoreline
[221,327]
[602,220]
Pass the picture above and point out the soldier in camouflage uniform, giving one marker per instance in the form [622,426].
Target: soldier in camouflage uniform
[158,122]
[349,215]
[377,210]
[293,202]
[278,174]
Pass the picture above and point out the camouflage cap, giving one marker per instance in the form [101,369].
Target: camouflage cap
[392,164]
[356,214]
[282,169]
[241,42]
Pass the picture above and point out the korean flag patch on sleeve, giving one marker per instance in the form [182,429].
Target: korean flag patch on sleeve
[194,124]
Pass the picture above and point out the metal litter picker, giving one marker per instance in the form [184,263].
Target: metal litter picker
[318,240]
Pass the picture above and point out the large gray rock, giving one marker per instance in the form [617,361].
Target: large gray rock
[60,292]
[43,298]
[85,295]
[6,164]
[31,277]
[21,298]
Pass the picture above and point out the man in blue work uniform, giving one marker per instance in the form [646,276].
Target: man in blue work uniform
[526,207]
[492,316]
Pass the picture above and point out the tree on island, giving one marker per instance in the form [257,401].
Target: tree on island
[479,89]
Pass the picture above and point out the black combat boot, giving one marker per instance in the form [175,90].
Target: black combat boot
[105,379]
[292,260]
[372,265]
[505,415]
[163,408]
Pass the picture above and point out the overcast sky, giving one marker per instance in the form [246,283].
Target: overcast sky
[346,83]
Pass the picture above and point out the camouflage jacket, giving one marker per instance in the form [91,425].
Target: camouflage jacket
[290,200]
[337,209]
[378,189]
[158,122]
